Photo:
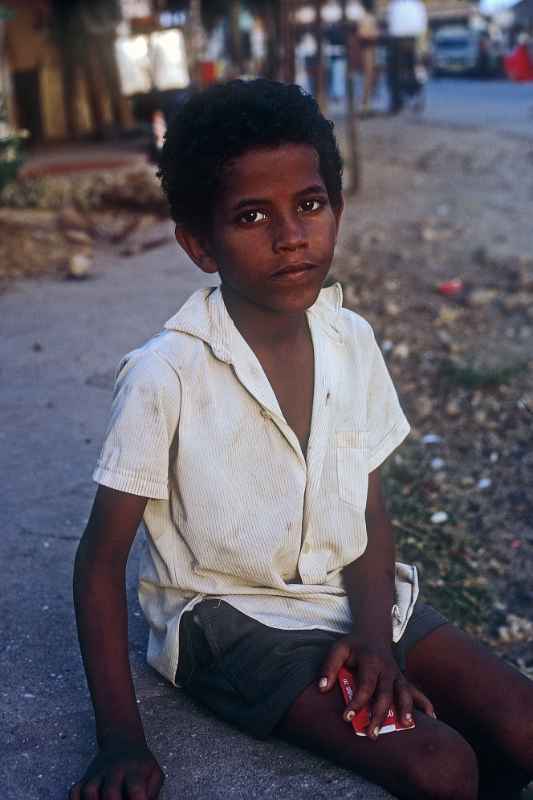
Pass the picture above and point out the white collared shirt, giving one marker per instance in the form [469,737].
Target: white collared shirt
[235,510]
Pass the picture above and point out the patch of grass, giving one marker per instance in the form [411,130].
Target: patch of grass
[478,376]
[443,554]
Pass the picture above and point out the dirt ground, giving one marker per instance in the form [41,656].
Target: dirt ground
[436,205]
[440,205]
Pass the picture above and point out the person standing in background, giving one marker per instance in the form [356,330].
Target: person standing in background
[363,34]
[407,25]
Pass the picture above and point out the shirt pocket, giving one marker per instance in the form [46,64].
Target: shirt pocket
[352,467]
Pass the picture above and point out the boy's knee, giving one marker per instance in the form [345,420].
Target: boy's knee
[445,768]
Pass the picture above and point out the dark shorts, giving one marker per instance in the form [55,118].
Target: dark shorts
[250,674]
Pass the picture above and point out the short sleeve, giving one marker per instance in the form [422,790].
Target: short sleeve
[387,425]
[144,417]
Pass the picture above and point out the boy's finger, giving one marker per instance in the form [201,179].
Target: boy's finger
[380,707]
[112,792]
[75,792]
[421,701]
[91,790]
[155,782]
[112,787]
[135,791]
[112,783]
[404,701]
[330,669]
[366,682]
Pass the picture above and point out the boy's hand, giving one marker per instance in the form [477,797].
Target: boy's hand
[132,774]
[378,680]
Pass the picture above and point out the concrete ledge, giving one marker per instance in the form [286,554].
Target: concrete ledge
[203,758]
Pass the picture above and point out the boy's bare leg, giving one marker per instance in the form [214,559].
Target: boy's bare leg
[485,699]
[430,762]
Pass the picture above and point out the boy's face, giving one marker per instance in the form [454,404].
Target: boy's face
[274,230]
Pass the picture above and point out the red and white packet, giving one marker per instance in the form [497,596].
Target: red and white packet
[361,721]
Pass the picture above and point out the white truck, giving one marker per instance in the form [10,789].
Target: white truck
[458,49]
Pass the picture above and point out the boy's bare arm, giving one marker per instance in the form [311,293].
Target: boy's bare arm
[124,762]
[369,580]
[369,583]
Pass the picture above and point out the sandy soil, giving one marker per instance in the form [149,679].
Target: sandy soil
[440,204]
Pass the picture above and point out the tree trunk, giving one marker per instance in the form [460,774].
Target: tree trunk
[352,138]
[120,109]
[68,81]
[85,35]
[287,68]
[320,78]
[235,36]
[195,39]
[268,18]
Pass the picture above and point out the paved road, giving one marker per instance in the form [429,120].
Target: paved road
[59,344]
[496,104]
[499,105]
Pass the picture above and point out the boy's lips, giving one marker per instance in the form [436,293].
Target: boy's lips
[292,271]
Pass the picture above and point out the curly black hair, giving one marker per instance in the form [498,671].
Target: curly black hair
[226,120]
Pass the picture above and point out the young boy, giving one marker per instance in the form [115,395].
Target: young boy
[248,436]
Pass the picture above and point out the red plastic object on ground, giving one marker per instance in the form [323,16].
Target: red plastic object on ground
[451,288]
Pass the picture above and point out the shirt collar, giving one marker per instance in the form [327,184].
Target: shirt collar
[204,315]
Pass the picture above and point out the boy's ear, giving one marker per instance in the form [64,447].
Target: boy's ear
[195,249]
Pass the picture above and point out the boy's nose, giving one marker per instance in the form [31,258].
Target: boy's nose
[289,234]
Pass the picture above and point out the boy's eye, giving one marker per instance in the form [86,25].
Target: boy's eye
[250,217]
[308,206]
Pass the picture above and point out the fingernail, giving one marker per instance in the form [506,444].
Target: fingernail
[322,683]
[349,716]
[375,732]
[433,715]
[408,717]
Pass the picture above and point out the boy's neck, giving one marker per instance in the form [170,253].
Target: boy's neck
[262,327]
